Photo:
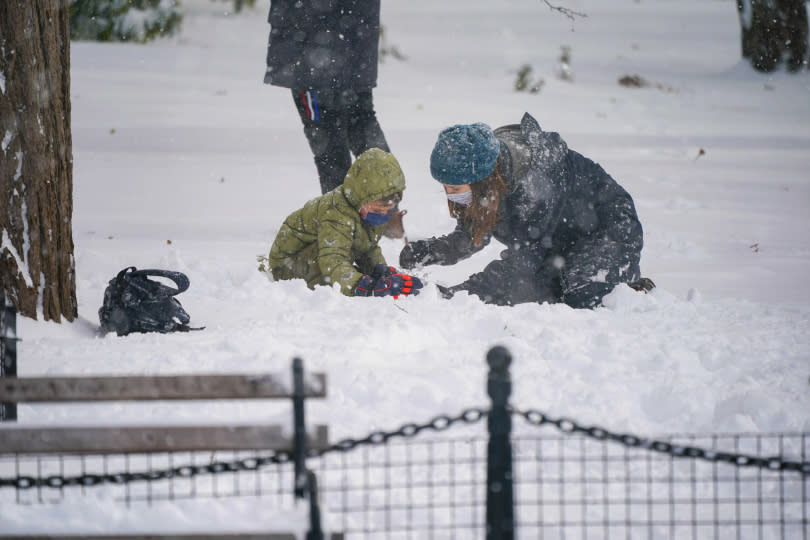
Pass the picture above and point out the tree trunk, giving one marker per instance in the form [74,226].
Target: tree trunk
[36,174]
[773,32]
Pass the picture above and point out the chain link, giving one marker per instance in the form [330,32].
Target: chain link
[568,426]
[439,423]
[185,471]
[407,431]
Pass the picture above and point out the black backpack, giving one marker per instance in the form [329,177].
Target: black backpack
[135,303]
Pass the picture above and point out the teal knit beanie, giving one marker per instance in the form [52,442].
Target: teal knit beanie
[464,154]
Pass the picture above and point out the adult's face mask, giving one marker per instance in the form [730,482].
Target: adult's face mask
[461,199]
[376,219]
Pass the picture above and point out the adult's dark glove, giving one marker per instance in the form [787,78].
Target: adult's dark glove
[391,285]
[448,292]
[413,254]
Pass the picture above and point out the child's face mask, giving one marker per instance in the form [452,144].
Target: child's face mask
[376,219]
[377,212]
[461,199]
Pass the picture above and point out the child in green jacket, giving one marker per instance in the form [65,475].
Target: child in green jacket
[334,238]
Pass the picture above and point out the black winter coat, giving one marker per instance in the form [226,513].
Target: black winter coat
[323,44]
[571,232]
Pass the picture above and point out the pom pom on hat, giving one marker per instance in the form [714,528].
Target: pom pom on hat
[464,154]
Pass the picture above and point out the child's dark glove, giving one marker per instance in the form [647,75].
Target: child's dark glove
[382,270]
[391,285]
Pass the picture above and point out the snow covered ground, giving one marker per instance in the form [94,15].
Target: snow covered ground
[184,160]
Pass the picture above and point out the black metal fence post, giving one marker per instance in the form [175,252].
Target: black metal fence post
[306,484]
[300,433]
[8,353]
[500,496]
[314,532]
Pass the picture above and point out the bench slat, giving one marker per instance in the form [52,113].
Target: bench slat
[168,387]
[147,439]
[224,536]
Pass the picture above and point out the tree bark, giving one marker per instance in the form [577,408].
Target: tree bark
[774,32]
[36,162]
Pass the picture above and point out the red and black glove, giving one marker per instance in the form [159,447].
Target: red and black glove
[393,284]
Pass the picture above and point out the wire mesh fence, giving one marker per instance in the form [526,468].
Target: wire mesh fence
[566,486]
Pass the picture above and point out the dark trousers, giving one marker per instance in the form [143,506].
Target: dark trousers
[338,124]
[594,266]
[579,277]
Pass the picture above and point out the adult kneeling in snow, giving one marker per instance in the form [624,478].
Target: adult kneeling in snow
[571,232]
[334,238]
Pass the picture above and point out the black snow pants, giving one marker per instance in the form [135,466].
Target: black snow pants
[593,267]
[580,277]
[337,124]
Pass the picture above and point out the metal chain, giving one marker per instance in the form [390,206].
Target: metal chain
[186,471]
[440,423]
[568,426]
[407,431]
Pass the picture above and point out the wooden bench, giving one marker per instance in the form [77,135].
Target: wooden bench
[227,536]
[144,439]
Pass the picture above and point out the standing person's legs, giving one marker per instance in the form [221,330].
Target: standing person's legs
[794,23]
[364,129]
[364,132]
[325,127]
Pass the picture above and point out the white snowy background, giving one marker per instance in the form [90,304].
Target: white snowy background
[184,160]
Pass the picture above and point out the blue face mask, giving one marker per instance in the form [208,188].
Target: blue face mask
[376,219]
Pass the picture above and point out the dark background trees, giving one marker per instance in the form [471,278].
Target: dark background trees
[36,175]
[108,20]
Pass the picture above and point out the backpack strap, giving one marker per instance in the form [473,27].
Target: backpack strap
[118,283]
[124,271]
[179,278]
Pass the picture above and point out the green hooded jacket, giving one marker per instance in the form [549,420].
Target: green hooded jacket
[327,241]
